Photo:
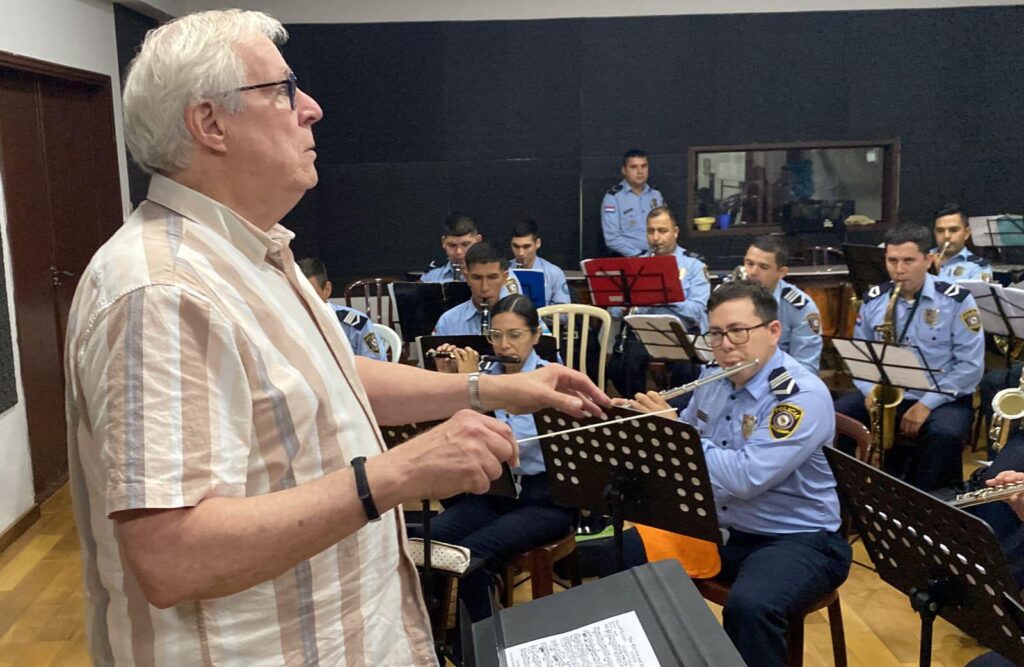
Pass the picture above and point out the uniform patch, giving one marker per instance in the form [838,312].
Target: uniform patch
[814,322]
[354,319]
[512,286]
[931,316]
[784,420]
[795,297]
[609,209]
[702,416]
[951,290]
[627,211]
[371,342]
[782,383]
[971,319]
[877,291]
[958,271]
[749,424]
[682,274]
[654,202]
[615,188]
[986,277]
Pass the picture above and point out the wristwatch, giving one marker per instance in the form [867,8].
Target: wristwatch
[474,392]
[363,488]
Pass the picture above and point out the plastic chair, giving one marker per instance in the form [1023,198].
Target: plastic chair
[574,311]
[390,342]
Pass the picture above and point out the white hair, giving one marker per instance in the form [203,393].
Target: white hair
[189,59]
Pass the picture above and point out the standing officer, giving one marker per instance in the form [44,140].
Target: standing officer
[625,207]
[525,244]
[628,370]
[958,263]
[943,322]
[762,432]
[766,264]
[459,234]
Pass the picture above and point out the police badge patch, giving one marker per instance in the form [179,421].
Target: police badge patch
[371,342]
[814,321]
[784,420]
[931,316]
[749,424]
[971,319]
[958,271]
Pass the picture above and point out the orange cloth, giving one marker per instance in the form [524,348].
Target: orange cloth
[699,558]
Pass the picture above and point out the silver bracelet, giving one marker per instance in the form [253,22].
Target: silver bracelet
[474,392]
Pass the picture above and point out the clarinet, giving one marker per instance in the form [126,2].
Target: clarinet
[620,339]
[485,317]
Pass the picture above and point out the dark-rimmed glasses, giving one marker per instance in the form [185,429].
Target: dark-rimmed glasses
[737,336]
[291,82]
[494,336]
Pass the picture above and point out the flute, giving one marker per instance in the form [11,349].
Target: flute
[692,386]
[484,359]
[987,495]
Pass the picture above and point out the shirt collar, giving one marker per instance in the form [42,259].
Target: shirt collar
[928,289]
[757,386]
[202,210]
[626,186]
[471,310]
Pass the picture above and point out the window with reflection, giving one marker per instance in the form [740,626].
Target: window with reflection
[793,187]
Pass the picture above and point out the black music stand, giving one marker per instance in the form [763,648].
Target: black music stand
[650,471]
[1002,311]
[546,348]
[946,561]
[866,264]
[666,340]
[998,231]
[421,305]
[899,366]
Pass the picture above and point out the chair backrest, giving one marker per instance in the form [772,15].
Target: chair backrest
[858,432]
[578,319]
[374,299]
[390,342]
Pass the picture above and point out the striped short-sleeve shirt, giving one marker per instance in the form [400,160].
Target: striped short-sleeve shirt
[201,364]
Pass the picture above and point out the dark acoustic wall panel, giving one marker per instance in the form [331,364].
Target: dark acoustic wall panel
[8,386]
[130,29]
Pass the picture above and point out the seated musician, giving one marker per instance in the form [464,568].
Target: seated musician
[628,368]
[495,528]
[957,262]
[766,262]
[525,244]
[763,431]
[943,322]
[487,276]
[457,237]
[357,326]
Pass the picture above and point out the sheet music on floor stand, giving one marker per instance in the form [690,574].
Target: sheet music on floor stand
[1002,311]
[666,340]
[650,471]
[885,363]
[997,231]
[946,561]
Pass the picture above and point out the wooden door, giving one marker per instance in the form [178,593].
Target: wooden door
[58,161]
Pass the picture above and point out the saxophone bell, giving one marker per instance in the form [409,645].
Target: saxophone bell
[886,398]
[1007,410]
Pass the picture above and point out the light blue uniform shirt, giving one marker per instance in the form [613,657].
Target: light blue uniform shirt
[556,289]
[763,445]
[801,325]
[964,266]
[624,218]
[462,320]
[359,331]
[946,329]
[442,274]
[531,459]
[696,290]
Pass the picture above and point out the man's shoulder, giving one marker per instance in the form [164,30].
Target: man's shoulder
[876,291]
[615,189]
[792,296]
[790,380]
[351,317]
[947,290]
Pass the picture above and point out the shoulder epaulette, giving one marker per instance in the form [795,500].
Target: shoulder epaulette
[615,188]
[877,291]
[782,383]
[353,318]
[951,290]
[433,265]
[977,259]
[695,255]
[794,296]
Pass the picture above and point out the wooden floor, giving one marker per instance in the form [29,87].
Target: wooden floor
[41,608]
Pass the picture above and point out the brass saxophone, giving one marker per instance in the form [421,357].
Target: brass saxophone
[886,397]
[1007,409]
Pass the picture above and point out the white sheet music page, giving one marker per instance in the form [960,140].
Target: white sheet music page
[619,640]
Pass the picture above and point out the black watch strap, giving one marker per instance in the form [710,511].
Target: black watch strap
[363,488]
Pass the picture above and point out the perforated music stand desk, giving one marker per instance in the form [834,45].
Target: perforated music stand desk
[650,471]
[1001,309]
[866,264]
[948,562]
[676,619]
[666,340]
[633,281]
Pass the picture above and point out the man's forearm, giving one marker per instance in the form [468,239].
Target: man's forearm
[402,394]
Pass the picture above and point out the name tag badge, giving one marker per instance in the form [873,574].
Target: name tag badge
[931,316]
[749,425]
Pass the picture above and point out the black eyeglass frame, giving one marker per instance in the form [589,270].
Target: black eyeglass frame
[291,82]
[722,335]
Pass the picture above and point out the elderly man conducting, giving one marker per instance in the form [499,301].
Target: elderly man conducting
[232,493]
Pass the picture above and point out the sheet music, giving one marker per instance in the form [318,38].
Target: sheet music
[901,363]
[619,640]
[657,335]
[1012,302]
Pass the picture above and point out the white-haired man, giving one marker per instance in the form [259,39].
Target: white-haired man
[225,460]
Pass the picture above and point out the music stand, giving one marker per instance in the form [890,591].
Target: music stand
[1002,311]
[997,231]
[887,364]
[866,264]
[650,471]
[667,340]
[946,561]
[633,281]
[421,305]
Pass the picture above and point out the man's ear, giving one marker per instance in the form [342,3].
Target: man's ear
[326,290]
[538,243]
[783,272]
[204,123]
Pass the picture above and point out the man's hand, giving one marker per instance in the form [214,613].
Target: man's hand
[553,386]
[869,402]
[1016,501]
[912,420]
[462,455]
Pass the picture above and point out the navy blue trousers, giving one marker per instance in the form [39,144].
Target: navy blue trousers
[498,529]
[774,578]
[935,460]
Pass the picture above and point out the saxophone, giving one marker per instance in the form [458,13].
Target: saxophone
[886,397]
[1007,409]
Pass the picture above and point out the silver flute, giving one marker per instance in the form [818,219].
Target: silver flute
[987,495]
[699,382]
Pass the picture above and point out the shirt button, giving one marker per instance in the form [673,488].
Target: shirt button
[732,397]
[724,508]
[725,442]
[728,418]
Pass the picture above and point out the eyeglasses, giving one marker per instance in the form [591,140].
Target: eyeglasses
[291,82]
[737,336]
[494,336]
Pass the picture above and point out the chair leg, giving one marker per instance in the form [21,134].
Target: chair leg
[795,643]
[573,562]
[541,580]
[510,584]
[835,625]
